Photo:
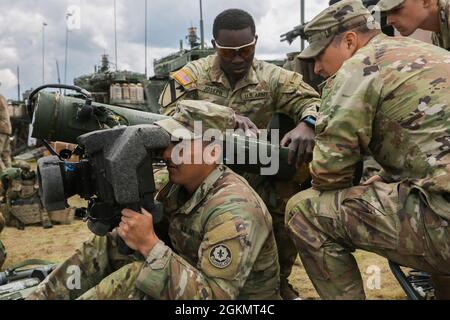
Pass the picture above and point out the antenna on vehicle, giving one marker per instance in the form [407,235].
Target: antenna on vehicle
[202,34]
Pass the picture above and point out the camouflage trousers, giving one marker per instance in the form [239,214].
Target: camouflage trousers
[2,254]
[2,247]
[5,152]
[392,220]
[97,271]
[2,222]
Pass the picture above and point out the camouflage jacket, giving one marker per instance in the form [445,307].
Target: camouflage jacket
[2,247]
[222,244]
[390,100]
[266,89]
[5,122]
[442,39]
[2,222]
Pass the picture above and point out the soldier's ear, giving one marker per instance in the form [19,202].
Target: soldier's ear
[350,42]
[213,42]
[256,38]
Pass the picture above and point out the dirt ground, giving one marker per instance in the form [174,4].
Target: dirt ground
[59,242]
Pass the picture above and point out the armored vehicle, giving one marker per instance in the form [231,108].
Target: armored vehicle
[19,123]
[121,88]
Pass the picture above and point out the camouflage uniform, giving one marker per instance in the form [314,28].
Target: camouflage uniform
[5,132]
[220,244]
[265,90]
[391,100]
[442,38]
[2,247]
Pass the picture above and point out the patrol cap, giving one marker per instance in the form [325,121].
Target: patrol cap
[387,5]
[211,116]
[338,18]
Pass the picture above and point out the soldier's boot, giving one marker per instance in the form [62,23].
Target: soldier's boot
[287,291]
[441,284]
[46,222]
[18,224]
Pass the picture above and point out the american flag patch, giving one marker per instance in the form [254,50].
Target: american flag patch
[183,77]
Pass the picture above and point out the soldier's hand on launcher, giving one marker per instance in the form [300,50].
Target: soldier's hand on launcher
[245,124]
[300,142]
[137,231]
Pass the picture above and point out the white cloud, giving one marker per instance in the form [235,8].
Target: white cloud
[8,81]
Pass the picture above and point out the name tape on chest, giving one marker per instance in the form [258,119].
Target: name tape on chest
[255,95]
[213,90]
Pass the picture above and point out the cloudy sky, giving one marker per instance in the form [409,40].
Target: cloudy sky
[21,25]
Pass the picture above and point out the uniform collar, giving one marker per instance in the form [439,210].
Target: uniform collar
[217,75]
[176,193]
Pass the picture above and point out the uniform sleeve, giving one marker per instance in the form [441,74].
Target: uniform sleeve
[182,85]
[5,123]
[344,124]
[293,96]
[168,107]
[228,251]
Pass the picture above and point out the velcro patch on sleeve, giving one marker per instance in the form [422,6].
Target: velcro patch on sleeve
[222,250]
[183,77]
[171,93]
[222,260]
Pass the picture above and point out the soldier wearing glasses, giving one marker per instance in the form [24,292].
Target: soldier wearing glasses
[255,90]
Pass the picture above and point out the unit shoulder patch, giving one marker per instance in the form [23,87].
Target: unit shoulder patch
[220,256]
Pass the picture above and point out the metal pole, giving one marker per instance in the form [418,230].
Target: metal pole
[146,76]
[202,33]
[18,83]
[57,72]
[115,30]
[65,55]
[302,21]
[43,52]
[59,76]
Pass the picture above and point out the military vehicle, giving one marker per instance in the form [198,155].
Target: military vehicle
[164,66]
[19,123]
[121,88]
[131,89]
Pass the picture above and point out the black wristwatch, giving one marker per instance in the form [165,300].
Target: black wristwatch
[310,122]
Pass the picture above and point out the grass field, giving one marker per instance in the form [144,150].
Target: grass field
[58,243]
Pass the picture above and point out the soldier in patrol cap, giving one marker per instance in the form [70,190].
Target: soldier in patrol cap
[409,15]
[387,97]
[2,247]
[255,90]
[216,241]
[5,133]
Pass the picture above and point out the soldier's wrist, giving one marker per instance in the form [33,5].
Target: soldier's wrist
[310,121]
[147,247]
